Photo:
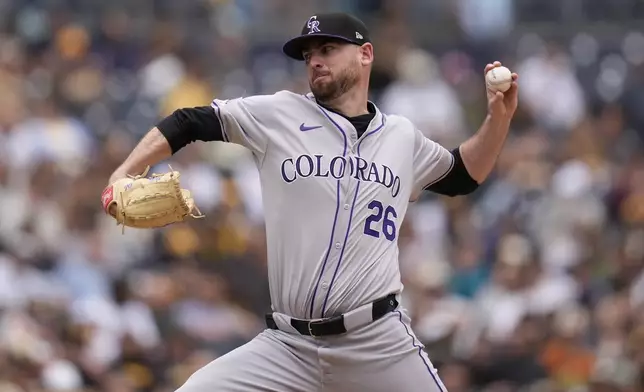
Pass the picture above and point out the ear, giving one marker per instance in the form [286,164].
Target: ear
[366,54]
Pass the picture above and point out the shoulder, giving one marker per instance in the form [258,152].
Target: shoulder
[402,124]
[275,100]
[398,120]
[276,97]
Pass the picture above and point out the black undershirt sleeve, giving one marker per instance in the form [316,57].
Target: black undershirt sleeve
[457,182]
[187,125]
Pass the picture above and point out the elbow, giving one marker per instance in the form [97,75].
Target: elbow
[462,189]
[478,176]
[466,191]
[458,181]
[175,128]
[453,186]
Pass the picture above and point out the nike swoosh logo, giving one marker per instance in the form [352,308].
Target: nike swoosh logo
[304,128]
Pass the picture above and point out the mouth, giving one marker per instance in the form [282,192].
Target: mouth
[317,78]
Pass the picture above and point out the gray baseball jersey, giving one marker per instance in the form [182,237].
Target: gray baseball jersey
[333,205]
[333,202]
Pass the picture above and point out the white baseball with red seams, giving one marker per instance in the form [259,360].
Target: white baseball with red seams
[499,79]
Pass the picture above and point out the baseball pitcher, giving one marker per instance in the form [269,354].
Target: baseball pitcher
[337,176]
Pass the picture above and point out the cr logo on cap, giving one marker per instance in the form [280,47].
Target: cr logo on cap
[313,24]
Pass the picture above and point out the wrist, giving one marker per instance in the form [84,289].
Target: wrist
[498,121]
[117,175]
[125,170]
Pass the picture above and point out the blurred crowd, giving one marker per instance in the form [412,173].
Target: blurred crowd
[533,283]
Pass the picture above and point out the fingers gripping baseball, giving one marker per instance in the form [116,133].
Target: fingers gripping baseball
[502,90]
[149,202]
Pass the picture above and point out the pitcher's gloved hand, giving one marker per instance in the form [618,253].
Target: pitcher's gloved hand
[149,202]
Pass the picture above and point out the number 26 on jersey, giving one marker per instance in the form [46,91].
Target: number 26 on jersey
[381,213]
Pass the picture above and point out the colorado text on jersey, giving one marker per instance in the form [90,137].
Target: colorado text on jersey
[305,166]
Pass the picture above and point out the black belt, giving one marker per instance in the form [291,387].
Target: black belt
[335,325]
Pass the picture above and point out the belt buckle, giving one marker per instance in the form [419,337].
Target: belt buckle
[309,324]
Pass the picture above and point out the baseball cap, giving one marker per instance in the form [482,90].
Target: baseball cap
[336,25]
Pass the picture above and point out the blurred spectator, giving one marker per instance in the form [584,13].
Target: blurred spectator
[421,95]
[565,356]
[549,89]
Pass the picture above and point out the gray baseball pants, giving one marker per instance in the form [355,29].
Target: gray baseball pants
[383,356]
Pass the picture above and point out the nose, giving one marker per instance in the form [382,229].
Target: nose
[315,61]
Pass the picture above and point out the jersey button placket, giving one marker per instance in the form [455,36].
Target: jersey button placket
[353,138]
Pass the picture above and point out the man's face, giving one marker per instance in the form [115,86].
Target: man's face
[333,68]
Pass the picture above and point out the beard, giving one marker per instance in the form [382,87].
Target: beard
[336,85]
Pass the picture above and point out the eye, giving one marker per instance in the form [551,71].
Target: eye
[327,48]
[307,57]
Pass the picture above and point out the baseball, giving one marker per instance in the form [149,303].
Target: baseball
[499,79]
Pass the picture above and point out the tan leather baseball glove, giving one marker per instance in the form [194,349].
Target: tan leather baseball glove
[149,202]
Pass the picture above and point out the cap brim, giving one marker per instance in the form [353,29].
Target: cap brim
[295,46]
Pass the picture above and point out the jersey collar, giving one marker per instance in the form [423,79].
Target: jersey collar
[342,119]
